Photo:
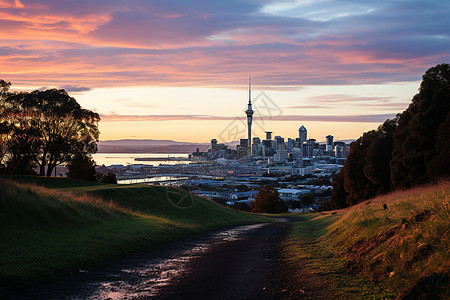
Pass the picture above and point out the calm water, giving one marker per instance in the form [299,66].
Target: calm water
[108,159]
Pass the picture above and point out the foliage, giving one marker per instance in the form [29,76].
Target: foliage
[308,198]
[421,139]
[268,201]
[44,129]
[4,88]
[409,150]
[339,197]
[82,166]
[108,178]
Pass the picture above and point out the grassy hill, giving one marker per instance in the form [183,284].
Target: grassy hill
[49,226]
[365,252]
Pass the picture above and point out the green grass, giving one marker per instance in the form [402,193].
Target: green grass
[50,226]
[365,252]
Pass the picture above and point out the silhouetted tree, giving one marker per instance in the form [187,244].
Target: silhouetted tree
[378,157]
[308,198]
[107,178]
[268,201]
[339,197]
[4,88]
[57,121]
[422,129]
[82,166]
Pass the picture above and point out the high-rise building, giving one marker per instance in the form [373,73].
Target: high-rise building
[256,146]
[340,149]
[213,144]
[268,135]
[308,148]
[249,112]
[330,144]
[302,134]
[243,143]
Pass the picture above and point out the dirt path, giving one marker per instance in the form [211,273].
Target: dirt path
[237,263]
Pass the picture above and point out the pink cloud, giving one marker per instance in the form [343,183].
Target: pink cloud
[209,43]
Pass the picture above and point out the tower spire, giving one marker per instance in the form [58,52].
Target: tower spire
[249,112]
[250,89]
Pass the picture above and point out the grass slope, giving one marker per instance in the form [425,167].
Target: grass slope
[365,252]
[70,224]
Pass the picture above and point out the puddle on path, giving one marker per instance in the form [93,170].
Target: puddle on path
[146,277]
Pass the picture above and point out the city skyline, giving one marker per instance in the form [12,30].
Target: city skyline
[178,70]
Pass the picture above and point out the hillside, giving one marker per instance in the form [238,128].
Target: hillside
[367,252]
[71,225]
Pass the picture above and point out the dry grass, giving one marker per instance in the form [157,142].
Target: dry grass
[376,253]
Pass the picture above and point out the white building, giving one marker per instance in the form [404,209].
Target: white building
[291,194]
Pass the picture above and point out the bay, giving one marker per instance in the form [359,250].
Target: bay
[108,159]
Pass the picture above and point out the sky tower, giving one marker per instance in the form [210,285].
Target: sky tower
[249,113]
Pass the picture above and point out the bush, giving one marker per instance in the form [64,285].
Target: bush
[268,201]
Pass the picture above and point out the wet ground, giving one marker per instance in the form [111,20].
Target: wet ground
[236,263]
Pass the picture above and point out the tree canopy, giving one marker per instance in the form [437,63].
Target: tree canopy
[268,201]
[44,129]
[409,150]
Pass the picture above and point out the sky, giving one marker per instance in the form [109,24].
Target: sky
[178,69]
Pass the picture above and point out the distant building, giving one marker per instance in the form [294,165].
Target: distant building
[302,134]
[213,144]
[330,144]
[243,143]
[340,149]
[308,148]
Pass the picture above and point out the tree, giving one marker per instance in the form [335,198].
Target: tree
[63,128]
[366,172]
[109,177]
[82,166]
[419,142]
[378,157]
[4,88]
[308,198]
[339,197]
[5,127]
[268,201]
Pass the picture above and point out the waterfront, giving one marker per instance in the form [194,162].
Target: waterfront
[125,159]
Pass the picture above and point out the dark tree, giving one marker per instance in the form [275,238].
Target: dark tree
[378,157]
[268,201]
[339,197]
[420,152]
[82,166]
[356,183]
[4,88]
[108,178]
[308,198]
[63,128]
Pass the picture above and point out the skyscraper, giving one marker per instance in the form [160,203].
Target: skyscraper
[330,144]
[249,112]
[302,134]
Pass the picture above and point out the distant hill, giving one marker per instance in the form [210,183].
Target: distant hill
[149,146]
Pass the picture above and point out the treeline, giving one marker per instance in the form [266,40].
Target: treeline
[410,150]
[40,130]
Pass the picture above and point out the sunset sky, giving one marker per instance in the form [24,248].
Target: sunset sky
[179,69]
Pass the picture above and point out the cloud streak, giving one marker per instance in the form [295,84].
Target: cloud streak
[373,118]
